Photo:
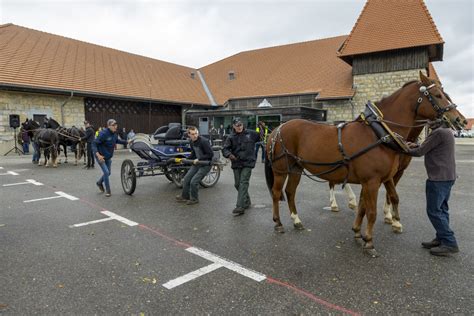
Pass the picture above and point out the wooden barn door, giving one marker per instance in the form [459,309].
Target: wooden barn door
[141,117]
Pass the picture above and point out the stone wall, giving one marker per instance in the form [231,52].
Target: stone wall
[375,86]
[28,104]
[339,110]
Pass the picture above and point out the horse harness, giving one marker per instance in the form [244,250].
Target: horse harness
[372,117]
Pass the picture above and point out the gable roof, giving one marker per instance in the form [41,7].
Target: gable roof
[301,68]
[388,25]
[34,59]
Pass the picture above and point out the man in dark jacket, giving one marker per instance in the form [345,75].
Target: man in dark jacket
[103,148]
[438,149]
[200,151]
[239,147]
[89,138]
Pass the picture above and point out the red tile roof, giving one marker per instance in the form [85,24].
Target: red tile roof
[391,24]
[308,67]
[31,58]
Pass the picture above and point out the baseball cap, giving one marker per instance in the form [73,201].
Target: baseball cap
[236,121]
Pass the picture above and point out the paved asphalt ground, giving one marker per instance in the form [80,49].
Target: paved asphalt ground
[108,267]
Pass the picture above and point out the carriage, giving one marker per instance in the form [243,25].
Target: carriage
[165,153]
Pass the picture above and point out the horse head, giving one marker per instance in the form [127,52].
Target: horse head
[52,123]
[30,125]
[435,104]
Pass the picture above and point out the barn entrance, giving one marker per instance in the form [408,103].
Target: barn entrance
[142,117]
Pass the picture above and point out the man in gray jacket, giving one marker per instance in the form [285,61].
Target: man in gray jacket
[440,164]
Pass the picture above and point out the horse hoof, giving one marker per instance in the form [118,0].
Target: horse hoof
[353,206]
[371,252]
[334,209]
[298,226]
[387,220]
[279,229]
[55,166]
[397,229]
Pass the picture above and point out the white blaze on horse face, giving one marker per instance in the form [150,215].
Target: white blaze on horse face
[295,218]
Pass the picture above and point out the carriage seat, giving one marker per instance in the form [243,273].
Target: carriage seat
[172,131]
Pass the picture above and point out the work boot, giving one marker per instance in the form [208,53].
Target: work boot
[431,244]
[443,251]
[238,211]
[192,202]
[181,199]
[108,194]
[101,187]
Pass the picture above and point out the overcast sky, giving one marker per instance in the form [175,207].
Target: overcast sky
[196,33]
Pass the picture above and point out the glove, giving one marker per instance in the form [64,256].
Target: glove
[232,157]
[195,161]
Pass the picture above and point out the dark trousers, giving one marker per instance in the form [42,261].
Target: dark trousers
[241,183]
[191,181]
[437,196]
[89,155]
[36,153]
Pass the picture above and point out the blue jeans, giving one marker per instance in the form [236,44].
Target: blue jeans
[26,148]
[106,170]
[257,145]
[437,196]
[191,181]
[36,154]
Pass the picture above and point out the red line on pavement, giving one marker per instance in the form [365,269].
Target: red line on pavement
[155,231]
[311,296]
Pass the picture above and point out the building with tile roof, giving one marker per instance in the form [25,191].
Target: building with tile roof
[330,79]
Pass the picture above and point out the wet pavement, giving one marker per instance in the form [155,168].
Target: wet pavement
[148,254]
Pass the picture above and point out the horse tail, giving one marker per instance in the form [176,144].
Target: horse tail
[269,177]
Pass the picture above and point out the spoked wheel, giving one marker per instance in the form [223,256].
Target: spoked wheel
[128,176]
[212,177]
[168,175]
[178,175]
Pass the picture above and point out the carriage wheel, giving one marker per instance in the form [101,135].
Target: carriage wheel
[212,177]
[178,176]
[128,176]
[168,175]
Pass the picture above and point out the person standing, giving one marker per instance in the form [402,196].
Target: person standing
[440,164]
[200,151]
[239,147]
[25,138]
[89,138]
[221,132]
[262,130]
[103,148]
[130,135]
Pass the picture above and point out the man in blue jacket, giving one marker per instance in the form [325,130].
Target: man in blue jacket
[103,149]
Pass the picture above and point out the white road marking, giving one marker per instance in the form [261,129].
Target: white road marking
[42,199]
[217,263]
[120,218]
[1,167]
[93,222]
[67,196]
[191,276]
[60,194]
[28,181]
[227,264]
[11,173]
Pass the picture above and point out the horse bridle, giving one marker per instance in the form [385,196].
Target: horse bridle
[425,91]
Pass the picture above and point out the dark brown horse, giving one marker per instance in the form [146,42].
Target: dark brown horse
[46,140]
[300,145]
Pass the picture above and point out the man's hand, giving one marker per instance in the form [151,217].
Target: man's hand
[232,157]
[412,145]
[195,161]
[100,157]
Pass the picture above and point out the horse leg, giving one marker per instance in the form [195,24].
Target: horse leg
[332,198]
[290,190]
[277,190]
[394,201]
[359,216]
[370,201]
[387,209]
[352,198]
[65,152]
[54,155]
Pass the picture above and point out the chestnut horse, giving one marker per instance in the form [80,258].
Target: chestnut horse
[359,157]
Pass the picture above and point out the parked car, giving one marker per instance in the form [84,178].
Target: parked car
[465,134]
